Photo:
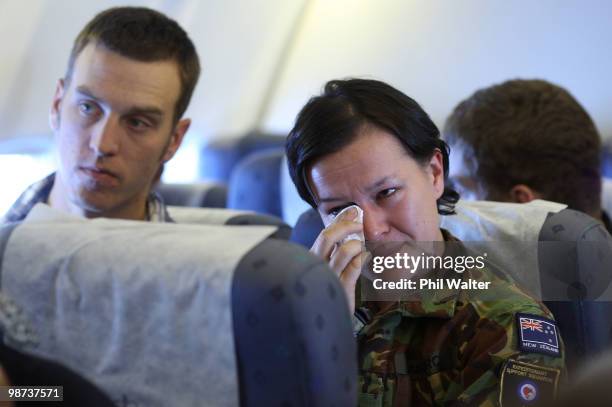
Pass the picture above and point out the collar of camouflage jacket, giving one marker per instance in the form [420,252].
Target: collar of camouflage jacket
[432,303]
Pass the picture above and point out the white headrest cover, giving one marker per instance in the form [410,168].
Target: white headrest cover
[486,220]
[203,216]
[503,230]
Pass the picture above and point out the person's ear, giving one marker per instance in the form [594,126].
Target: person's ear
[176,138]
[436,173]
[521,193]
[54,112]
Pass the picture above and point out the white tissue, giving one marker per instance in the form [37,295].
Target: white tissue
[358,219]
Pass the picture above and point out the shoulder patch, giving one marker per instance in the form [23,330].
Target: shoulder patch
[537,334]
[525,384]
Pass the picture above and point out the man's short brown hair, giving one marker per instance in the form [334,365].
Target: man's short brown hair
[144,35]
[530,132]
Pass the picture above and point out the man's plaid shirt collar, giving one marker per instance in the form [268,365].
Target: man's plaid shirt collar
[39,193]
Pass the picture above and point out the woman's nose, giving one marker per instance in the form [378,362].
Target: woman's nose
[375,225]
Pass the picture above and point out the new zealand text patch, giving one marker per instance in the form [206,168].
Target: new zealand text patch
[537,334]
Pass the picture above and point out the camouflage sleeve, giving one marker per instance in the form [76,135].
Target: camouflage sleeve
[513,357]
[358,324]
[360,318]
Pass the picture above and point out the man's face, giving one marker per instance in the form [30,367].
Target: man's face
[397,194]
[114,127]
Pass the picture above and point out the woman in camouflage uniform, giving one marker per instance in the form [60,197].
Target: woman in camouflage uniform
[364,143]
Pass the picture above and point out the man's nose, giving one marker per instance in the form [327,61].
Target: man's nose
[375,224]
[104,139]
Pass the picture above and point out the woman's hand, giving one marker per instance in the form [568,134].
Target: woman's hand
[345,259]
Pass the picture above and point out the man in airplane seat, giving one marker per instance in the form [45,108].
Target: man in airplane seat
[364,143]
[523,140]
[117,117]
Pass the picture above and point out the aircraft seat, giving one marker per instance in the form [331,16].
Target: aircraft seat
[219,157]
[229,217]
[606,195]
[606,159]
[255,183]
[563,256]
[291,202]
[199,195]
[180,314]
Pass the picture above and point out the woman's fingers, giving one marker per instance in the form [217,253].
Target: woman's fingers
[352,271]
[332,235]
[345,259]
[344,255]
[350,275]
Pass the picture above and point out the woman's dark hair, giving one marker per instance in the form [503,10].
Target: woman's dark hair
[333,120]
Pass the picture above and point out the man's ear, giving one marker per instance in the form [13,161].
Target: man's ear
[521,193]
[54,112]
[436,171]
[176,138]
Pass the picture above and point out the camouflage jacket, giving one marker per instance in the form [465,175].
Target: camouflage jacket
[458,347]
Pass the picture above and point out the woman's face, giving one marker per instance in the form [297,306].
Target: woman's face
[397,194]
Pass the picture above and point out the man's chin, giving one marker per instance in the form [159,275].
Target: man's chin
[94,203]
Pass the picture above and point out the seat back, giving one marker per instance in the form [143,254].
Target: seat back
[220,156]
[606,194]
[198,195]
[297,347]
[195,314]
[229,217]
[575,263]
[291,202]
[255,183]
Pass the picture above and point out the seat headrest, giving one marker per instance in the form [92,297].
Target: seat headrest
[606,195]
[292,204]
[255,182]
[229,217]
[221,155]
[198,195]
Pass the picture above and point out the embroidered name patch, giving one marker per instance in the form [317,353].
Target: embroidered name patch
[525,384]
[537,334]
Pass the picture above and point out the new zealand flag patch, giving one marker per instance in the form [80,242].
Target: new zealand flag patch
[537,335]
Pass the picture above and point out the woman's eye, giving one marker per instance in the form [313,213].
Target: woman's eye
[335,211]
[385,193]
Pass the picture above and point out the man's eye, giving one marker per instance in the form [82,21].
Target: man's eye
[138,124]
[87,108]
